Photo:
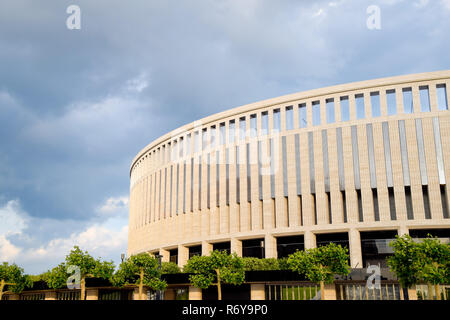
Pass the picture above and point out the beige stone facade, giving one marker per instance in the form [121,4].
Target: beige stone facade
[386,167]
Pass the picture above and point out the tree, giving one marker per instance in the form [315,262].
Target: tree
[321,264]
[219,267]
[13,276]
[139,270]
[436,268]
[88,267]
[407,262]
[170,268]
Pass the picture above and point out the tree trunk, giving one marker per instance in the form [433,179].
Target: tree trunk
[430,291]
[83,287]
[219,288]
[405,293]
[2,285]
[141,283]
[438,291]
[322,290]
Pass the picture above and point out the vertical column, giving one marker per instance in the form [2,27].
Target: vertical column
[432,169]
[351,199]
[206,248]
[380,165]
[165,255]
[414,168]
[355,248]
[195,293]
[321,202]
[236,246]
[293,203]
[397,172]
[183,255]
[91,294]
[310,240]
[307,205]
[257,291]
[270,244]
[366,191]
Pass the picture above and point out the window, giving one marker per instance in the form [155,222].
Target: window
[231,131]
[330,111]
[360,109]
[188,144]
[442,97]
[345,109]
[196,142]
[316,113]
[204,139]
[264,123]
[302,122]
[242,128]
[276,120]
[253,126]
[213,136]
[408,106]
[181,148]
[222,133]
[289,118]
[375,103]
[391,102]
[424,99]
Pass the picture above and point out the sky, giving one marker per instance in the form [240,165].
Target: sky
[76,105]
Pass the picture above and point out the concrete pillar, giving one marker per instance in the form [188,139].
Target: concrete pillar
[236,246]
[412,293]
[183,255]
[310,240]
[257,291]
[330,292]
[91,294]
[195,293]
[206,248]
[355,249]
[136,294]
[270,243]
[403,230]
[165,255]
[50,295]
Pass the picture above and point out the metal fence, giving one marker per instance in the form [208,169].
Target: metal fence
[308,291]
[424,292]
[360,291]
[68,295]
[32,296]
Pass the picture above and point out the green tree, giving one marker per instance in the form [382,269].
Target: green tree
[219,267]
[407,262]
[13,276]
[139,270]
[321,264]
[88,266]
[170,267]
[436,269]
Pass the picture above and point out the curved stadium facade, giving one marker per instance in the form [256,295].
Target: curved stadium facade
[354,164]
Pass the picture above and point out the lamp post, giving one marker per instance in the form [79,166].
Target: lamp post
[122,256]
[159,257]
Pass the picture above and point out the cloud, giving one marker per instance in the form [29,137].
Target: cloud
[115,205]
[446,4]
[106,238]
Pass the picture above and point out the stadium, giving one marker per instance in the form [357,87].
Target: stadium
[354,164]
